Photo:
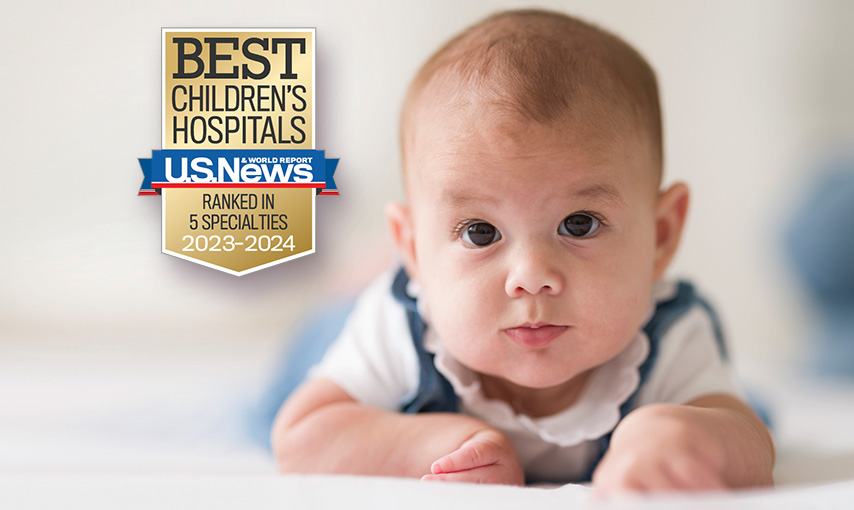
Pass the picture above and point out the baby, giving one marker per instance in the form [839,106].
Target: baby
[530,336]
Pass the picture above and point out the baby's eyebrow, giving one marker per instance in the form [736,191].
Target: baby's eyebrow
[457,198]
[603,192]
[596,192]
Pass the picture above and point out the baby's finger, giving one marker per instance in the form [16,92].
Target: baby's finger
[487,474]
[634,478]
[691,474]
[469,455]
[606,487]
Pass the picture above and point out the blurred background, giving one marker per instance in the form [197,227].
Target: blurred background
[110,350]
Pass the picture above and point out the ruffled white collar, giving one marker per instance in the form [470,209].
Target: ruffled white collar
[594,413]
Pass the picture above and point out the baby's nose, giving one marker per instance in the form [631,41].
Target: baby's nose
[533,271]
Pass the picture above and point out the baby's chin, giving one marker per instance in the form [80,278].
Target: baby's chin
[536,378]
[541,382]
[541,372]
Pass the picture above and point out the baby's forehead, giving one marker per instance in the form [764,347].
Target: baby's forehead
[472,120]
[477,125]
[454,158]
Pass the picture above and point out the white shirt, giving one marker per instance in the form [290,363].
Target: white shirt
[375,362]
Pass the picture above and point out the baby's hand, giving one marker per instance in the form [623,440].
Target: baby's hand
[487,457]
[663,447]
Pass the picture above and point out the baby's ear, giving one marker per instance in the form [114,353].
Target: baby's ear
[670,216]
[400,221]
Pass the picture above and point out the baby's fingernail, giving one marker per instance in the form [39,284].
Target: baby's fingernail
[436,468]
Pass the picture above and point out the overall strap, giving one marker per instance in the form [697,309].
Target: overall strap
[666,314]
[435,394]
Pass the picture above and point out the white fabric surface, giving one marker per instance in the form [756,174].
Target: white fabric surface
[374,493]
[146,423]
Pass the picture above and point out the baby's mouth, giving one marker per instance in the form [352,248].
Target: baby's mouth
[535,336]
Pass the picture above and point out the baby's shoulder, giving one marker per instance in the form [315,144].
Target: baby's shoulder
[679,311]
[687,354]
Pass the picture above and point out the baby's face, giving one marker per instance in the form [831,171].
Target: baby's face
[534,246]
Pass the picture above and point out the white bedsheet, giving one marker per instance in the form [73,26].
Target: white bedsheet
[214,492]
[164,424]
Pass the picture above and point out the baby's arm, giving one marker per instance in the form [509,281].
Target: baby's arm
[713,442]
[321,429]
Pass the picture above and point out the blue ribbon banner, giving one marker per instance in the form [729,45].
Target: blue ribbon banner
[237,169]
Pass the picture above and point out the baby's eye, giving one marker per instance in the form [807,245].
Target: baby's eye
[579,225]
[480,234]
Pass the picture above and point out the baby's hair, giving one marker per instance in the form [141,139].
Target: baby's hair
[548,68]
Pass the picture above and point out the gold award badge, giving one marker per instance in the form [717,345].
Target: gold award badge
[238,172]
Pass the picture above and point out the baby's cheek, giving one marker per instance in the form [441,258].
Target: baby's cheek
[461,324]
[467,332]
[617,315]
